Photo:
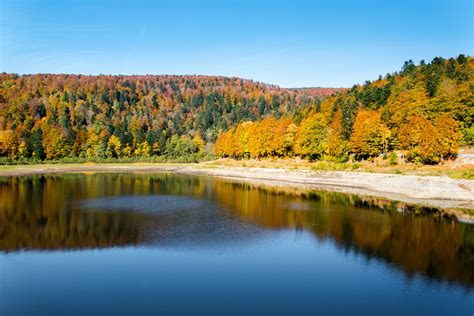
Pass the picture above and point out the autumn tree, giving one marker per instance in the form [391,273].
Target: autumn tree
[261,143]
[54,144]
[95,145]
[198,143]
[447,135]
[410,133]
[6,142]
[223,147]
[284,134]
[241,138]
[142,149]
[427,142]
[337,145]
[312,136]
[289,139]
[370,136]
[114,147]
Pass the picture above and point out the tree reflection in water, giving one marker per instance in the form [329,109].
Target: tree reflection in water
[52,213]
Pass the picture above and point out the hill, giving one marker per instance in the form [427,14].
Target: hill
[318,91]
[48,116]
[424,111]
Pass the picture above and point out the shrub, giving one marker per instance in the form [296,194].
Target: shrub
[393,159]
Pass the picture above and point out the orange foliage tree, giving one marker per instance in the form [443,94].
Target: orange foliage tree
[223,146]
[427,142]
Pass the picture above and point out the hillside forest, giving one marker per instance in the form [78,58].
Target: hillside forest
[424,111]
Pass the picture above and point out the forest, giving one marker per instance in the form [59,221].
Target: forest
[424,111]
[51,117]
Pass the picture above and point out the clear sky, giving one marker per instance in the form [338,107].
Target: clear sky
[289,43]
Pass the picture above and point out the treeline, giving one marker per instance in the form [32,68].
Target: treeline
[50,117]
[425,111]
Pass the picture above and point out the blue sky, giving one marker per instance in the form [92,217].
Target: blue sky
[289,43]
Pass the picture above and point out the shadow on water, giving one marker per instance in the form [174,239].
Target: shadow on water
[77,211]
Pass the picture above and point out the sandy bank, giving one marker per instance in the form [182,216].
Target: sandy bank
[427,190]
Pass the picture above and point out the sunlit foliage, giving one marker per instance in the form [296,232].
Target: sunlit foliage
[98,117]
[425,111]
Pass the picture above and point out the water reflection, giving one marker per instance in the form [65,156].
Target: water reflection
[80,211]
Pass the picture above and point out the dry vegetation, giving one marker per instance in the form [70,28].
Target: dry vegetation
[461,168]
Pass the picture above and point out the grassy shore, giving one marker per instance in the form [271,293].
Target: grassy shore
[459,169]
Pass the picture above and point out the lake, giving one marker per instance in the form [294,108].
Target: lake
[159,244]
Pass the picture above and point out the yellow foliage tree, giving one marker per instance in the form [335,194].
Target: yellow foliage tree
[337,146]
[92,144]
[289,140]
[114,147]
[54,144]
[283,137]
[311,138]
[156,148]
[127,151]
[22,150]
[405,103]
[6,142]
[261,143]
[370,136]
[198,142]
[268,138]
[240,140]
[142,149]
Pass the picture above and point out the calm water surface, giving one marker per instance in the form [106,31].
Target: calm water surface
[157,244]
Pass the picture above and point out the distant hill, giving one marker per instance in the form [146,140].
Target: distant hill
[318,91]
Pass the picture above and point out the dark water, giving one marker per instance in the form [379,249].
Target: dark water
[161,244]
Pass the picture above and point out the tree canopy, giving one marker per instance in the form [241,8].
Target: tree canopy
[426,110]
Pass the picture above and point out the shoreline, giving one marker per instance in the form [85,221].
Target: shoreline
[434,191]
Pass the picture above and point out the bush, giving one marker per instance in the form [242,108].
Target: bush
[344,158]
[355,166]
[393,159]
